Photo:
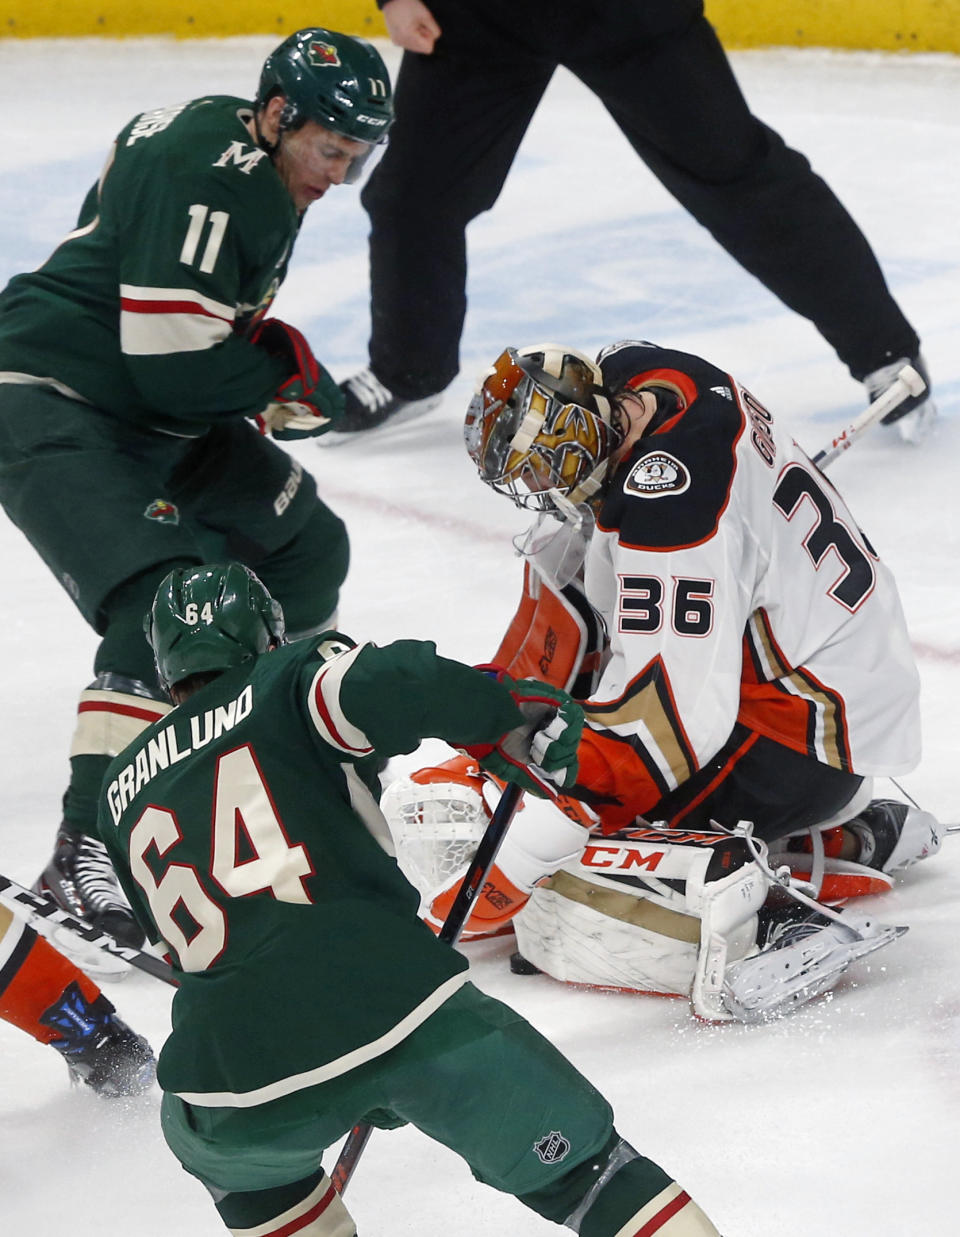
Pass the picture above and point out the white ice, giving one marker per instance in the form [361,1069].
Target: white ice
[844,1118]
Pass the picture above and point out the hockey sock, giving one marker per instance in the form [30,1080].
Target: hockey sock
[109,716]
[33,978]
[620,1193]
[310,1208]
[81,798]
[641,1199]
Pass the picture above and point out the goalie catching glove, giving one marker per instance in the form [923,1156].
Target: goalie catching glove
[308,401]
[541,754]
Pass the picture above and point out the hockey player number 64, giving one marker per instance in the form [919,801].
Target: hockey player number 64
[187,917]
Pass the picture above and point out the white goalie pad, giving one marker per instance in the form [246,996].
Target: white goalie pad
[808,963]
[648,911]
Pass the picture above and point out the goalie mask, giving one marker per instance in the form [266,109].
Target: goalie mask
[539,428]
[210,619]
[335,80]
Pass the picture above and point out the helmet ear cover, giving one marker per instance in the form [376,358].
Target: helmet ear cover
[210,619]
[539,428]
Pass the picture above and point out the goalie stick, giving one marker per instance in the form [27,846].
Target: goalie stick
[906,384]
[476,874]
[38,911]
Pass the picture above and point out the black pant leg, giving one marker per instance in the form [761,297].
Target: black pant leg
[753,778]
[676,100]
[459,122]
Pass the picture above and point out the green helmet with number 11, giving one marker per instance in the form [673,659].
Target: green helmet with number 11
[336,80]
[210,618]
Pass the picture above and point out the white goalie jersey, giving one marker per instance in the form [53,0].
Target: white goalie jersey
[736,585]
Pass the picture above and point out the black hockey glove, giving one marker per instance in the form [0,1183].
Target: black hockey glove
[308,401]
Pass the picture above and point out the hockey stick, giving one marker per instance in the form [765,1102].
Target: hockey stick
[473,881]
[38,910]
[906,384]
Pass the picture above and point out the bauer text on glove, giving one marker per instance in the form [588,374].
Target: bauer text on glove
[308,400]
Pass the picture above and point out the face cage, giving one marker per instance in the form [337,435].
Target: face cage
[561,468]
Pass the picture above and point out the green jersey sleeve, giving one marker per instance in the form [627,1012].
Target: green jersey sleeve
[364,698]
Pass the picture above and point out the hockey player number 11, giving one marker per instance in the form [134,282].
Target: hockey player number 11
[218,225]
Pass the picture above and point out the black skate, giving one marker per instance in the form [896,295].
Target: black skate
[81,880]
[100,1050]
[894,836]
[369,404]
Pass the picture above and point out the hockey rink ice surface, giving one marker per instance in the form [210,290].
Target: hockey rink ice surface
[843,1118]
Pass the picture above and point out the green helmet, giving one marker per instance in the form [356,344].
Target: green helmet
[210,618]
[338,81]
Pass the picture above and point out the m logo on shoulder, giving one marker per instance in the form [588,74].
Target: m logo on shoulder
[657,474]
[243,156]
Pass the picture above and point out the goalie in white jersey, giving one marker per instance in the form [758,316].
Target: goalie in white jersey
[754,663]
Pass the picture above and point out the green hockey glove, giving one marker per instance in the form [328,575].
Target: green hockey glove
[541,754]
[308,401]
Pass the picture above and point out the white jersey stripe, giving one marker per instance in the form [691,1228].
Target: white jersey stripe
[161,321]
[325,711]
[333,1069]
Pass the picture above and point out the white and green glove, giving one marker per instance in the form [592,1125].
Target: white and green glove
[541,754]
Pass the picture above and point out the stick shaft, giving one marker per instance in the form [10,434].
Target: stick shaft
[906,384]
[37,909]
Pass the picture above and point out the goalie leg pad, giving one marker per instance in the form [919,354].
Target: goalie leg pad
[636,915]
[806,961]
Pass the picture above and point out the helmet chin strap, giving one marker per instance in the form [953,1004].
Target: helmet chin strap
[270,147]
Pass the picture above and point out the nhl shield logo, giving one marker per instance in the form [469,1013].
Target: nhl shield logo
[552,1148]
[162,511]
[322,53]
[656,475]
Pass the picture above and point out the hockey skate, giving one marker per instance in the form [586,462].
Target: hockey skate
[803,954]
[369,404]
[894,836]
[915,417]
[100,1049]
[80,879]
[859,857]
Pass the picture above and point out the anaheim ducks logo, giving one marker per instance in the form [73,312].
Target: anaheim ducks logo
[656,475]
[322,53]
[552,1148]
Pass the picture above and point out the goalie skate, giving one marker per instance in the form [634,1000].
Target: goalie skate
[806,960]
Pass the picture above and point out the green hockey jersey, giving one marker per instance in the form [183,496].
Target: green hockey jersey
[247,839]
[179,248]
